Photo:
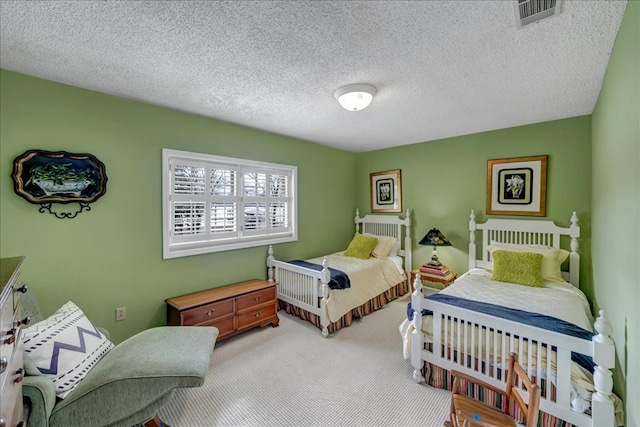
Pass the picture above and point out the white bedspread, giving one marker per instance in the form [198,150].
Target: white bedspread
[369,278]
[562,301]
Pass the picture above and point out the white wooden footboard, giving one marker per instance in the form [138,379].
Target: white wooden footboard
[302,287]
[478,344]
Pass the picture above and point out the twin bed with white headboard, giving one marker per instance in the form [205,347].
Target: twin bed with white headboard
[473,325]
[304,286]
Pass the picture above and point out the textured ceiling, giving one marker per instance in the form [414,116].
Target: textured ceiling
[442,68]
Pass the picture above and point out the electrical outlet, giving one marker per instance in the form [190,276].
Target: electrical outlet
[121,313]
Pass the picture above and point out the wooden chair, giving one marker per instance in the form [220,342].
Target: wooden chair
[468,412]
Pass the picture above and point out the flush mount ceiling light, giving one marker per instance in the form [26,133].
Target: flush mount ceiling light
[355,97]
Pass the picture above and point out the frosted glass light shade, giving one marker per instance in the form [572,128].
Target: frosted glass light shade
[355,97]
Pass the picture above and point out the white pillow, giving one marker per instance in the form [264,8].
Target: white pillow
[552,258]
[383,247]
[395,249]
[64,347]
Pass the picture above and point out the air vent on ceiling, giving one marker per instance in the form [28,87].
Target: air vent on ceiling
[530,11]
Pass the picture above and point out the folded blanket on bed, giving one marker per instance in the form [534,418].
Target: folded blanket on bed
[528,318]
[339,279]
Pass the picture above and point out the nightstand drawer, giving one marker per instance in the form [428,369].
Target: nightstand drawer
[206,313]
[253,299]
[255,317]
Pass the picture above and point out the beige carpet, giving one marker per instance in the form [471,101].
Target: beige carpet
[292,376]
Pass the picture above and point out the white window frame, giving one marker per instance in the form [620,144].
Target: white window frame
[174,246]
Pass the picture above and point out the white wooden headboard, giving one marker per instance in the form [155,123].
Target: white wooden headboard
[524,232]
[389,225]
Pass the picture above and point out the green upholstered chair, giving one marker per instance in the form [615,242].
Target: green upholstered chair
[128,385]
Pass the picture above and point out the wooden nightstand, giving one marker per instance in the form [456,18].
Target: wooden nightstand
[446,280]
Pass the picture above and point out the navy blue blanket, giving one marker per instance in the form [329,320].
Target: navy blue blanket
[339,279]
[533,319]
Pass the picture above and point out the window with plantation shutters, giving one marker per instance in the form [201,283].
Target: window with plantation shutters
[213,203]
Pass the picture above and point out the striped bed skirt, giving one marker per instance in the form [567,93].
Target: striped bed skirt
[438,377]
[356,313]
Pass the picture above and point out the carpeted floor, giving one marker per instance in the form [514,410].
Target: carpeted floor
[292,376]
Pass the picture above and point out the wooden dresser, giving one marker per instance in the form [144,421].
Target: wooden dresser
[11,367]
[232,308]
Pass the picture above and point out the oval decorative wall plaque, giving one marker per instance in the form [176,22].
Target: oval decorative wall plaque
[46,177]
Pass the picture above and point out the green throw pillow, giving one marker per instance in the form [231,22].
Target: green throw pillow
[361,246]
[552,258]
[523,268]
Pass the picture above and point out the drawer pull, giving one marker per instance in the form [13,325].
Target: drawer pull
[3,364]
[11,337]
[257,314]
[23,289]
[19,376]
[25,321]
[256,299]
[210,312]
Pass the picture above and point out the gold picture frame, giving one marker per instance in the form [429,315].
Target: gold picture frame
[386,191]
[517,186]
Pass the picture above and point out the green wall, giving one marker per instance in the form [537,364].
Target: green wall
[112,256]
[616,206]
[443,180]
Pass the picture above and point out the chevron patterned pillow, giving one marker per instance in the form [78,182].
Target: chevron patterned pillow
[64,347]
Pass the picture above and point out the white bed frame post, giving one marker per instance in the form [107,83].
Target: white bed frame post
[417,337]
[325,277]
[574,258]
[602,408]
[270,267]
[472,240]
[408,266]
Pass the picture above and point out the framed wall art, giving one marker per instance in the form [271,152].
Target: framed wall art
[517,186]
[46,177]
[386,191]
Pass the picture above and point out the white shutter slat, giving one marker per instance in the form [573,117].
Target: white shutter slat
[255,217]
[188,179]
[279,185]
[223,181]
[223,217]
[188,218]
[279,215]
[254,184]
